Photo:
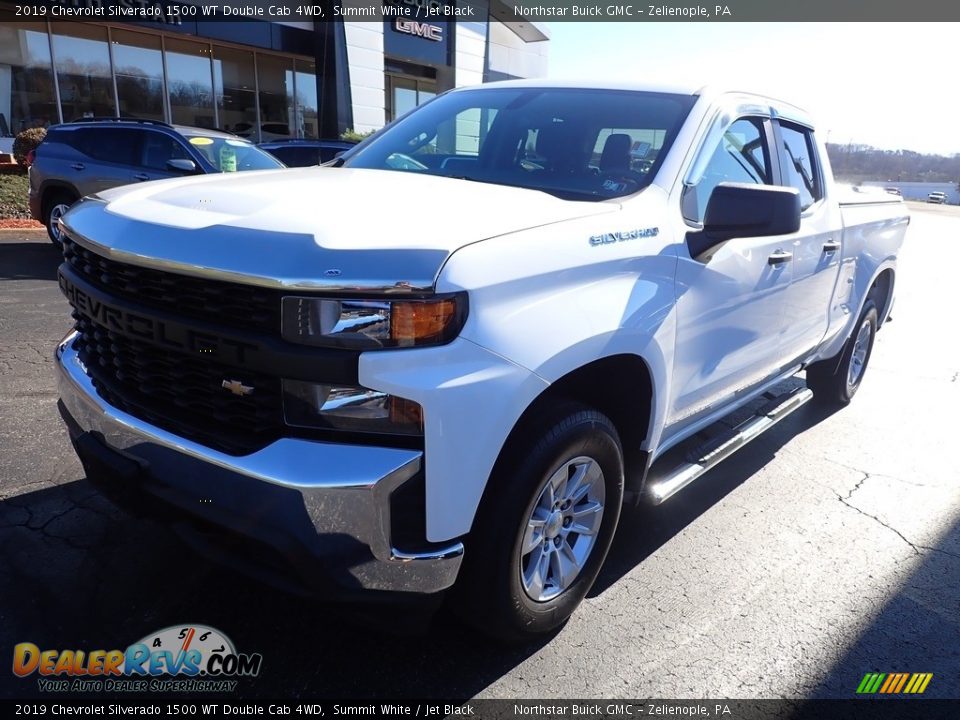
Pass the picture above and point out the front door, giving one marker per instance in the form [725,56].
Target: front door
[730,309]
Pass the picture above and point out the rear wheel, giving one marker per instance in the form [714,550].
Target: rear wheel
[54,208]
[837,381]
[545,527]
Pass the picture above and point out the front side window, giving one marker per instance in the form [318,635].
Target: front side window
[798,163]
[158,149]
[576,144]
[741,156]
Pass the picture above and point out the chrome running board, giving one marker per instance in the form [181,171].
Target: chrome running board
[726,444]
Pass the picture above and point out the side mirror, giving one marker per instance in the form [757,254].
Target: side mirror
[182,165]
[744,210]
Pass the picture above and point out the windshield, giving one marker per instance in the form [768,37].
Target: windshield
[574,143]
[232,154]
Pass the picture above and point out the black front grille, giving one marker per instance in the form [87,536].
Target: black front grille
[243,306]
[181,393]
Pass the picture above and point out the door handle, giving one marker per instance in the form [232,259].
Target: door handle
[78,166]
[831,246]
[779,257]
[141,176]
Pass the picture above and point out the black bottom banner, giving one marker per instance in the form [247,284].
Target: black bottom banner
[590,709]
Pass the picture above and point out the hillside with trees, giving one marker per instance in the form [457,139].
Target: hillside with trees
[856,163]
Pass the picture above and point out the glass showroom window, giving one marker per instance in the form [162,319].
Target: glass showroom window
[276,97]
[234,83]
[190,83]
[405,93]
[308,122]
[27,98]
[83,71]
[138,66]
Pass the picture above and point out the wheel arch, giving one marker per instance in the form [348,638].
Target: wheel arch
[620,386]
[49,189]
[881,290]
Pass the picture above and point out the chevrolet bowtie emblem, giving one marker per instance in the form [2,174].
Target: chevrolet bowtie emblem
[237,387]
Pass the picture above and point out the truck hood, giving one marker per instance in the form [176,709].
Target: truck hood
[311,228]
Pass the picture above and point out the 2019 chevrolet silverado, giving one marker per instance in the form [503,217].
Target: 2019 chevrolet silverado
[446,360]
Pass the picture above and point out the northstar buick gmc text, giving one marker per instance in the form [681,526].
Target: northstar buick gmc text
[454,353]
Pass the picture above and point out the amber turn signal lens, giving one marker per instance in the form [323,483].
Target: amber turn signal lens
[412,323]
[406,413]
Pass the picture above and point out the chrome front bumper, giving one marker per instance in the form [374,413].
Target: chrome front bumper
[305,498]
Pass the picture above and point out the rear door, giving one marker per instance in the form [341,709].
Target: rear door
[816,247]
[109,153]
[730,309]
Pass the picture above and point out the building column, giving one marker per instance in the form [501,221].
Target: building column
[333,80]
[364,51]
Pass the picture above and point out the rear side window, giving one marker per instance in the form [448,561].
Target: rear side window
[112,145]
[798,162]
[741,156]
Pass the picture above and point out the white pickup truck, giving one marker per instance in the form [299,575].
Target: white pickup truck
[447,359]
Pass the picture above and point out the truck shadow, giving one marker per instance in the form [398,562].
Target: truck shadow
[645,528]
[82,574]
[79,573]
[917,630]
[29,261]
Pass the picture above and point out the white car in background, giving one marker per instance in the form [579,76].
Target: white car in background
[940,198]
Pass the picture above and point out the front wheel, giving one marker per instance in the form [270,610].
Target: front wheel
[545,526]
[56,207]
[836,382]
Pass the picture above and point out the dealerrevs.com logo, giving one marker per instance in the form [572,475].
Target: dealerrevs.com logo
[182,658]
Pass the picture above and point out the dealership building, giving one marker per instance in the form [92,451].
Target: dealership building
[259,79]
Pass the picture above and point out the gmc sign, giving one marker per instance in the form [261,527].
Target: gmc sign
[419,29]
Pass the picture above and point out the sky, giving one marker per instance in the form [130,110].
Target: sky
[889,85]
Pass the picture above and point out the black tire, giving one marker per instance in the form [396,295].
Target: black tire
[832,381]
[54,205]
[491,593]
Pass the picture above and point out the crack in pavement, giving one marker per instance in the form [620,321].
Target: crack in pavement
[869,474]
[916,547]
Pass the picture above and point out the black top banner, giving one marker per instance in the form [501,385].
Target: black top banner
[174,11]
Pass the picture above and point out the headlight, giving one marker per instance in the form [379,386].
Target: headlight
[373,324]
[350,408]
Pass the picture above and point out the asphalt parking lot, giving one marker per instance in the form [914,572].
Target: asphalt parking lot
[829,548]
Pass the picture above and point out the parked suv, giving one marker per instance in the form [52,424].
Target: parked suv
[937,197]
[87,156]
[304,153]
